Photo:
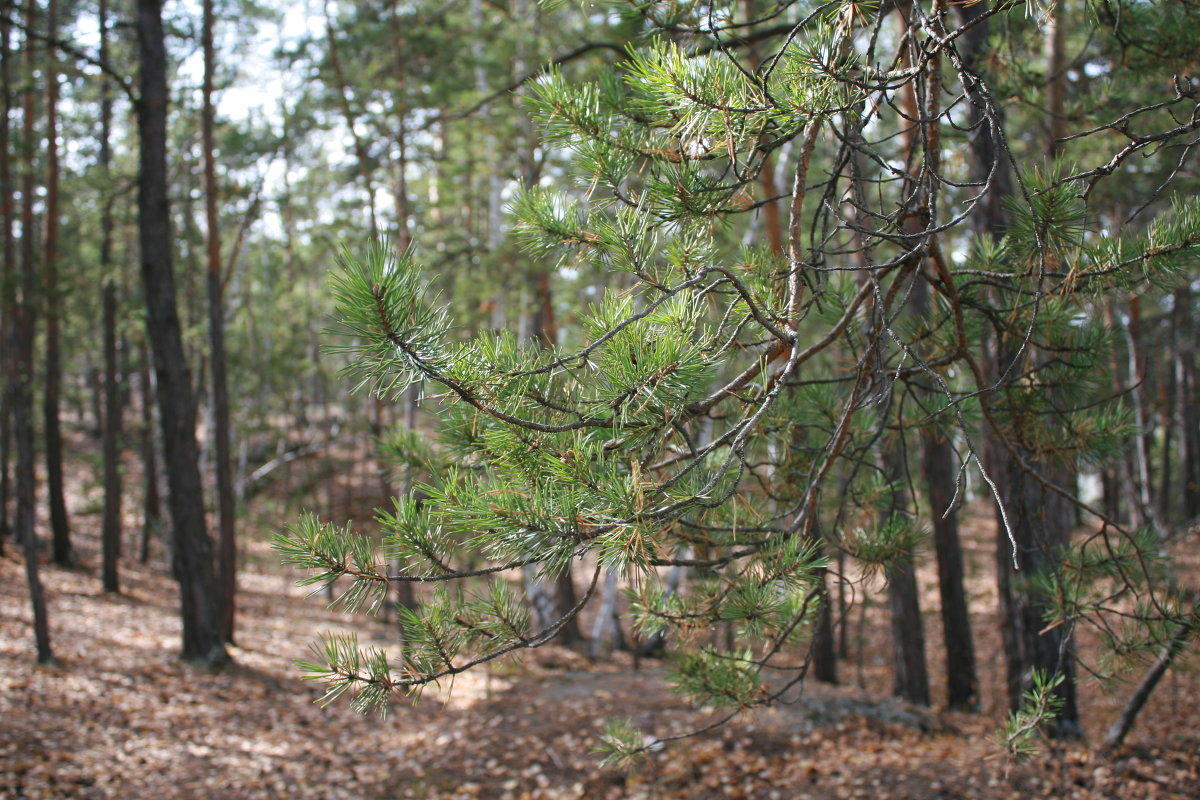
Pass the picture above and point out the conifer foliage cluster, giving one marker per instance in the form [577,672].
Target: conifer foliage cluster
[833,258]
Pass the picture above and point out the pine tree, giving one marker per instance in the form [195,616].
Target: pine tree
[726,405]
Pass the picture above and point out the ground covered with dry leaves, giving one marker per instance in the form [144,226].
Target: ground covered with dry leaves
[119,716]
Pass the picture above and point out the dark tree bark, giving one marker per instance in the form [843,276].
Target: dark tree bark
[909,674]
[545,331]
[937,468]
[607,622]
[543,326]
[400,109]
[96,394]
[110,536]
[1036,516]
[64,554]
[405,594]
[1166,416]
[8,271]
[151,502]
[962,682]
[362,157]
[203,634]
[227,547]
[1124,722]
[1188,415]
[909,671]
[20,364]
[824,651]
[772,219]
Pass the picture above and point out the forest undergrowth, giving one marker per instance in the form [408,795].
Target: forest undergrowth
[120,716]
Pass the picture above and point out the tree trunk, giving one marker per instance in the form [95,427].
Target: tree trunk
[910,676]
[937,468]
[1035,522]
[1142,473]
[1039,520]
[8,271]
[545,331]
[110,536]
[350,118]
[400,108]
[64,554]
[1123,724]
[203,634]
[151,501]
[1188,415]
[20,364]
[962,682]
[405,594]
[1166,415]
[1056,78]
[607,621]
[227,543]
[772,219]
[824,651]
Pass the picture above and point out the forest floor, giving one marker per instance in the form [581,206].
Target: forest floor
[119,716]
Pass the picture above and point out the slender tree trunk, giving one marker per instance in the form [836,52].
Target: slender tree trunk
[937,467]
[400,104]
[545,331]
[151,501]
[203,634]
[350,118]
[110,536]
[607,621]
[823,648]
[96,395]
[824,651]
[1142,471]
[909,672]
[543,326]
[1035,516]
[962,682]
[5,424]
[20,376]
[8,271]
[405,594]
[64,554]
[1166,415]
[227,542]
[1124,722]
[19,379]
[1056,78]
[910,676]
[1188,415]
[772,219]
